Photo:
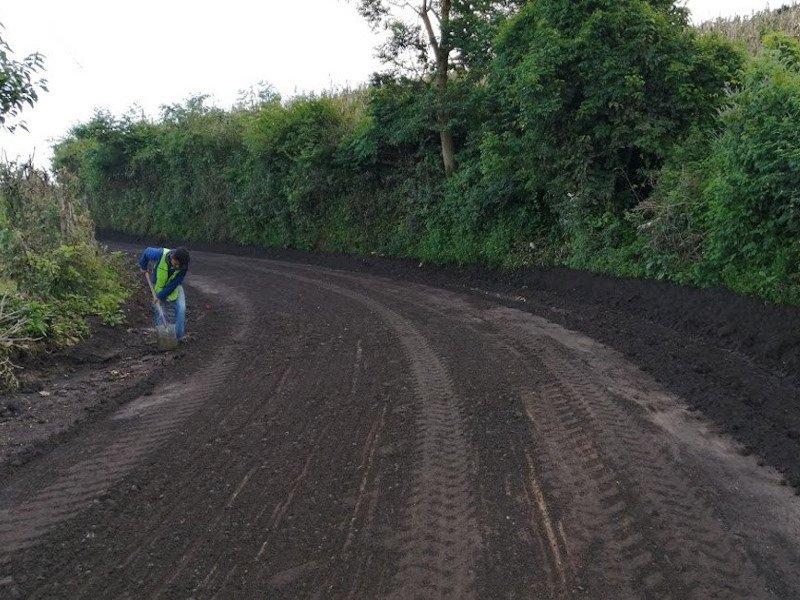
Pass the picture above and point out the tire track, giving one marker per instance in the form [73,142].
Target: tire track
[140,427]
[234,419]
[197,550]
[548,533]
[441,540]
[599,518]
[152,531]
[556,565]
[655,525]
[199,545]
[202,559]
[705,560]
[206,549]
[582,493]
[136,429]
[661,528]
[648,525]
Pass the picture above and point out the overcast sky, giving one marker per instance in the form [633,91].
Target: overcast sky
[114,55]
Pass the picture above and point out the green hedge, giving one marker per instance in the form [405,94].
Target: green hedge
[606,135]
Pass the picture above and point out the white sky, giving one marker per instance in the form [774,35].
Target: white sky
[114,55]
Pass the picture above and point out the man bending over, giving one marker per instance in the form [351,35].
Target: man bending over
[170,267]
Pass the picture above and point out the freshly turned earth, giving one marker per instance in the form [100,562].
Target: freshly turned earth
[339,427]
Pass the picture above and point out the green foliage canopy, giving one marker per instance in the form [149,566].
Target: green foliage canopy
[753,194]
[594,134]
[597,91]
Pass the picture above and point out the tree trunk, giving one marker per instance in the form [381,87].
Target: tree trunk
[442,112]
[441,50]
[448,145]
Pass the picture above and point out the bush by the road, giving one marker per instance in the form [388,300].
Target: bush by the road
[599,135]
[53,274]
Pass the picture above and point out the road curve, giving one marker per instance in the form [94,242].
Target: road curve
[338,435]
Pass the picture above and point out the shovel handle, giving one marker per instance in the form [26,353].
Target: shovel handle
[155,298]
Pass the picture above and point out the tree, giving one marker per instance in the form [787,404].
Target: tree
[435,39]
[18,84]
[595,93]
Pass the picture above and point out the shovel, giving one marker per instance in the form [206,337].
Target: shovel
[165,331]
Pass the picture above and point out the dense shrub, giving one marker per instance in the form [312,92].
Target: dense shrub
[597,134]
[594,96]
[725,211]
[52,273]
[753,197]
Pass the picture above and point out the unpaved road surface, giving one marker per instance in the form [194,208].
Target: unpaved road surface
[336,434]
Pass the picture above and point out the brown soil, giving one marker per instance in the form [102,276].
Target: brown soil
[361,428]
[60,390]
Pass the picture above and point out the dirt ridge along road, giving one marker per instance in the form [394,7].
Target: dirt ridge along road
[313,471]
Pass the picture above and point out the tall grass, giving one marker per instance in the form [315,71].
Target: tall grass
[749,30]
[53,274]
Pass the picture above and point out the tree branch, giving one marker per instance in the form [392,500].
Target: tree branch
[402,5]
[429,29]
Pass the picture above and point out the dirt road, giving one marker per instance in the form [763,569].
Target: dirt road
[332,434]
